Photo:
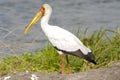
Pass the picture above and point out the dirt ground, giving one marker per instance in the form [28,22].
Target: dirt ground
[112,73]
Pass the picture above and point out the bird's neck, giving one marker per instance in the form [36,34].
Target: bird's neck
[45,20]
[44,23]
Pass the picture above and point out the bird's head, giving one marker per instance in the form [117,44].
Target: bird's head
[44,10]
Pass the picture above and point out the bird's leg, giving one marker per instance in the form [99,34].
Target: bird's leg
[68,64]
[62,64]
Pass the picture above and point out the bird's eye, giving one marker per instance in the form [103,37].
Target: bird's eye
[43,8]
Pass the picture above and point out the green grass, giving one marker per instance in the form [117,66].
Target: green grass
[106,49]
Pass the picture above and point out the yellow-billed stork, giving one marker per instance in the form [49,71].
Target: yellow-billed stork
[63,41]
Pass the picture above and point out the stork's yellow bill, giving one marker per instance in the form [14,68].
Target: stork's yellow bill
[39,15]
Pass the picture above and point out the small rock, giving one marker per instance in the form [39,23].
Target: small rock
[7,78]
[34,77]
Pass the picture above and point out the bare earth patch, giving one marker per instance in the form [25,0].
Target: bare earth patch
[112,73]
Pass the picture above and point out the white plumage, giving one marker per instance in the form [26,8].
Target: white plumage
[64,40]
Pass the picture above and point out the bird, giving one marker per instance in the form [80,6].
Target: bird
[65,42]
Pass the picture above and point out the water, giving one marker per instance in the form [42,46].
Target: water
[71,14]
